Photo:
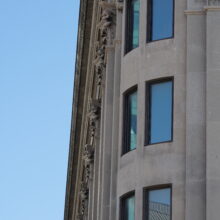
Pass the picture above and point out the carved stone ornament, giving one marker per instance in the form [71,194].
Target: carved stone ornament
[107,25]
[84,193]
[88,172]
[106,35]
[94,109]
[92,128]
[94,114]
[99,63]
[80,216]
[119,5]
[88,155]
[107,19]
[82,210]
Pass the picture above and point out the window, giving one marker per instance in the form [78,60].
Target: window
[127,207]
[132,25]
[160,111]
[157,204]
[160,19]
[130,121]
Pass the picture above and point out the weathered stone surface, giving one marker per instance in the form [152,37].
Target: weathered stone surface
[98,175]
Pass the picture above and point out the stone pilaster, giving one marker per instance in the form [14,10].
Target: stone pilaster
[212,112]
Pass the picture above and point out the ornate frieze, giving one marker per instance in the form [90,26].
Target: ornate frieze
[105,35]
[88,158]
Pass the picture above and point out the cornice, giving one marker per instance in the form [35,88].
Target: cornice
[78,97]
[90,60]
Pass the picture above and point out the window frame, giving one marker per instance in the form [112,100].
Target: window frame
[146,191]
[148,112]
[150,21]
[128,28]
[122,204]
[126,121]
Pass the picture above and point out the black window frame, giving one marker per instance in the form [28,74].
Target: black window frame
[148,112]
[146,191]
[150,22]
[126,120]
[123,198]
[129,27]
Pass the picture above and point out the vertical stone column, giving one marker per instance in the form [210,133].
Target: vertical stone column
[213,113]
[107,35]
[107,135]
[100,166]
[115,125]
[195,185]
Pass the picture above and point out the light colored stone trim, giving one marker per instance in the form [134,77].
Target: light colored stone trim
[202,12]
[194,12]
[212,8]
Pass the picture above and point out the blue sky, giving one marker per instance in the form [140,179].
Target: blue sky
[37,56]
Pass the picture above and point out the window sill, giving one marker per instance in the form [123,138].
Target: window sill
[162,142]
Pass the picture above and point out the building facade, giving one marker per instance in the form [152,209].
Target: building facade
[146,112]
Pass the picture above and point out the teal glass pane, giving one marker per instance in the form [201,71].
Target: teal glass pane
[129,207]
[159,204]
[161,106]
[135,24]
[162,19]
[133,120]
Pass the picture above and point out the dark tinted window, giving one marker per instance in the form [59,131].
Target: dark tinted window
[130,121]
[160,19]
[160,107]
[128,207]
[158,204]
[132,32]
